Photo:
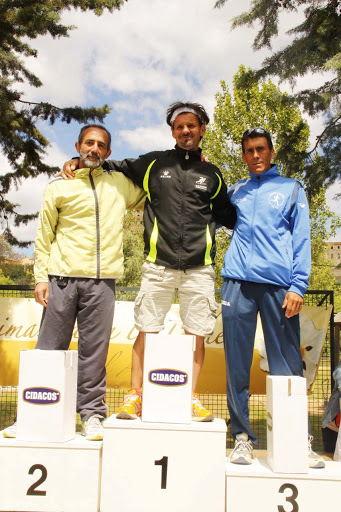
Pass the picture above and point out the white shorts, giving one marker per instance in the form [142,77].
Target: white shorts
[195,288]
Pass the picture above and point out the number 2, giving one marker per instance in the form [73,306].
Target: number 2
[164,464]
[31,491]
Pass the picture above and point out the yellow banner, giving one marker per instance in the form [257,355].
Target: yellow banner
[19,327]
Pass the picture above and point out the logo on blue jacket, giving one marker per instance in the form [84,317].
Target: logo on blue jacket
[41,396]
[168,377]
[276,199]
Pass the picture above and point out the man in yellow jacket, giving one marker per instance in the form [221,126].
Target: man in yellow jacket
[79,255]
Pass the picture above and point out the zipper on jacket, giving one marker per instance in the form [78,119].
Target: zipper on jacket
[182,211]
[98,274]
[252,228]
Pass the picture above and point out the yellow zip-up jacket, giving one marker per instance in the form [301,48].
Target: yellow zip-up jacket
[80,229]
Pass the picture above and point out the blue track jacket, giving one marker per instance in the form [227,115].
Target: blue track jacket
[271,238]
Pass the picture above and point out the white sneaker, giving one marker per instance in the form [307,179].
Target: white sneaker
[314,459]
[10,431]
[242,452]
[92,429]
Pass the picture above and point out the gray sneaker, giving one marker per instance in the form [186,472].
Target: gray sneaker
[314,459]
[11,431]
[92,429]
[242,452]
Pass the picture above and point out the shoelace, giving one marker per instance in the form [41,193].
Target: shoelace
[196,401]
[129,399]
[94,422]
[245,445]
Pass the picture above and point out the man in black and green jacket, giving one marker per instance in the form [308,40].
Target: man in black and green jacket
[185,198]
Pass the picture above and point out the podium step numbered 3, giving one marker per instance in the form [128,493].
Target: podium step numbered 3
[257,488]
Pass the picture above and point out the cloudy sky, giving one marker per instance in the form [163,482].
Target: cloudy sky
[138,60]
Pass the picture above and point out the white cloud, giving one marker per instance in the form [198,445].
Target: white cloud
[173,49]
[148,138]
[139,60]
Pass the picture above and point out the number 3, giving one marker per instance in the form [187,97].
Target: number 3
[291,499]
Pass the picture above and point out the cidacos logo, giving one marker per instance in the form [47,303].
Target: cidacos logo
[167,377]
[41,396]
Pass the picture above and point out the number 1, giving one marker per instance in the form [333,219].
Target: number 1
[164,463]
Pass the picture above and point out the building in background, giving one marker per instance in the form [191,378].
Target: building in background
[334,255]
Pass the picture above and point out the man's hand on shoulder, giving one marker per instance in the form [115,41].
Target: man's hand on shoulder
[68,168]
[292,303]
[204,158]
[41,293]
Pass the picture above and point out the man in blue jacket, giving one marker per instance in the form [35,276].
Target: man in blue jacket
[266,270]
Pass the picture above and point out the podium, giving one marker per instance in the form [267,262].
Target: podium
[158,466]
[181,466]
[256,487]
[50,477]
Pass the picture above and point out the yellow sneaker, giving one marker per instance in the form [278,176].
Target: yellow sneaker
[11,431]
[199,411]
[131,407]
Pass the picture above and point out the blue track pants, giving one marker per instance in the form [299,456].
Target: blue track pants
[241,302]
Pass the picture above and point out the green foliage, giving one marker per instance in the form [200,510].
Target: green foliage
[20,140]
[315,48]
[263,104]
[17,273]
[259,104]
[133,246]
[6,250]
[5,279]
[323,226]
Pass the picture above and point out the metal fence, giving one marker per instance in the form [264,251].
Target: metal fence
[217,403]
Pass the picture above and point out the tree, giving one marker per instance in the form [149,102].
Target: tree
[315,48]
[20,139]
[263,104]
[133,246]
[6,250]
[323,224]
[5,279]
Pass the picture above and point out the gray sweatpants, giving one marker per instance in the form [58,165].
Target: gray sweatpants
[91,302]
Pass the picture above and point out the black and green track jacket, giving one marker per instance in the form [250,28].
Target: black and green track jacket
[185,199]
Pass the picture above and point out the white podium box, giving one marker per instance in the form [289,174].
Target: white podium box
[47,394]
[287,424]
[50,477]
[168,378]
[149,467]
[257,488]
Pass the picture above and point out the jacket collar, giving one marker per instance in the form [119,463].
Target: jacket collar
[85,172]
[270,173]
[191,155]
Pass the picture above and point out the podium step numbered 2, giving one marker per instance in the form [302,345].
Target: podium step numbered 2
[50,477]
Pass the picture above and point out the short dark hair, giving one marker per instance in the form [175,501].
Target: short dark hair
[81,133]
[253,133]
[199,110]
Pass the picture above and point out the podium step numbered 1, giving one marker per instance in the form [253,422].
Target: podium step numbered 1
[50,477]
[170,467]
